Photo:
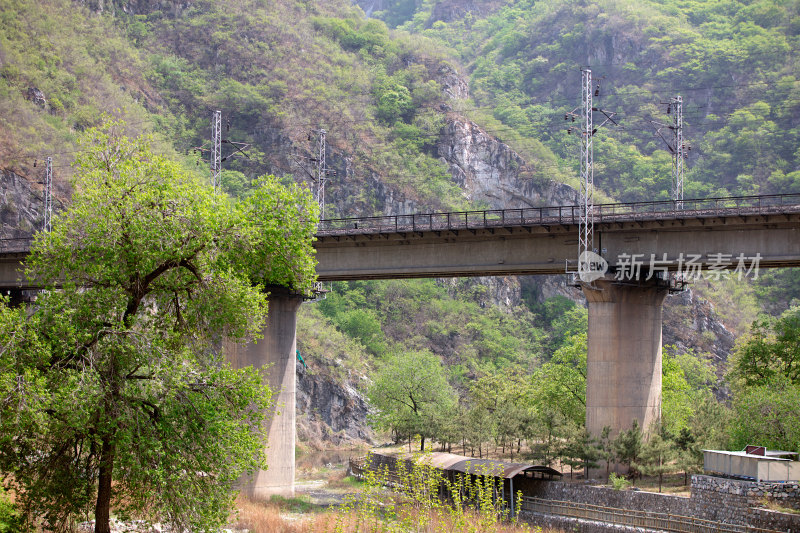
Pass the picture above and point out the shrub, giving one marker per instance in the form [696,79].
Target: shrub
[618,482]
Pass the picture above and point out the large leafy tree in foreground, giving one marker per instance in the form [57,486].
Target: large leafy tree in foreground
[113,391]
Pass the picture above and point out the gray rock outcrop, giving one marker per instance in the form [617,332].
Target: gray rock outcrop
[329,412]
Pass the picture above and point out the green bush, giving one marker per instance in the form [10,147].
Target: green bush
[10,519]
[618,482]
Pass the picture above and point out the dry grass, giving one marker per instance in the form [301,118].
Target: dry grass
[672,484]
[774,505]
[340,481]
[258,517]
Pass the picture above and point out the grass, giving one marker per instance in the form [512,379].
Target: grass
[345,482]
[298,504]
[774,505]
[366,507]
[258,517]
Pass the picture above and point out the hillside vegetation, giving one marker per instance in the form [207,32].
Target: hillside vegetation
[280,71]
[733,62]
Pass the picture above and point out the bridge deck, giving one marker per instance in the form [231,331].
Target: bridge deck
[537,240]
[563,215]
[543,240]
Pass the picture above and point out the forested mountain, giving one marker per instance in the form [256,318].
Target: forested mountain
[432,105]
[733,62]
[277,71]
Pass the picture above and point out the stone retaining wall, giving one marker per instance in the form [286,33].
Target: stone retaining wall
[576,525]
[752,493]
[606,497]
[713,498]
[738,502]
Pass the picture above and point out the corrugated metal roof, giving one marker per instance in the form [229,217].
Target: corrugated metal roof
[442,460]
[483,467]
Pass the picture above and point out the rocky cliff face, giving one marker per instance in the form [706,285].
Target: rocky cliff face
[137,7]
[690,322]
[492,173]
[22,201]
[452,10]
[21,206]
[329,412]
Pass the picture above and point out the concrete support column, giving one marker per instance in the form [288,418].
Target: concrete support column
[623,380]
[16,297]
[276,350]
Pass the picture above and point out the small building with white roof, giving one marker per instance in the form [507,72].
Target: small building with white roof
[754,462]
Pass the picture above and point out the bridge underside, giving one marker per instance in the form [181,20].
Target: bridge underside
[548,249]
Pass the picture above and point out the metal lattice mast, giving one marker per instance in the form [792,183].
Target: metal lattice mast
[586,201]
[322,174]
[216,148]
[48,195]
[679,154]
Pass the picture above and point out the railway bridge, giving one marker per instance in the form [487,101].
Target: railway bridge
[645,249]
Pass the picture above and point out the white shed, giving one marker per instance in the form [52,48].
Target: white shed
[753,462]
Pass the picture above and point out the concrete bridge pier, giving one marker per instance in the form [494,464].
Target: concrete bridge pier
[623,371]
[16,297]
[277,350]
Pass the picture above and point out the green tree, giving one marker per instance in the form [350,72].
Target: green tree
[561,382]
[580,450]
[766,384]
[410,394]
[362,324]
[113,390]
[686,379]
[778,288]
[606,446]
[771,351]
[656,457]
[393,101]
[628,448]
[689,458]
[767,415]
[479,426]
[504,397]
[547,432]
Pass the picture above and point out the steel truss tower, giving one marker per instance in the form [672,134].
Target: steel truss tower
[585,112]
[679,153]
[216,149]
[322,174]
[586,199]
[48,195]
[676,145]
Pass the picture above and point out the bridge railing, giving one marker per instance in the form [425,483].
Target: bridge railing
[460,220]
[15,245]
[534,216]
